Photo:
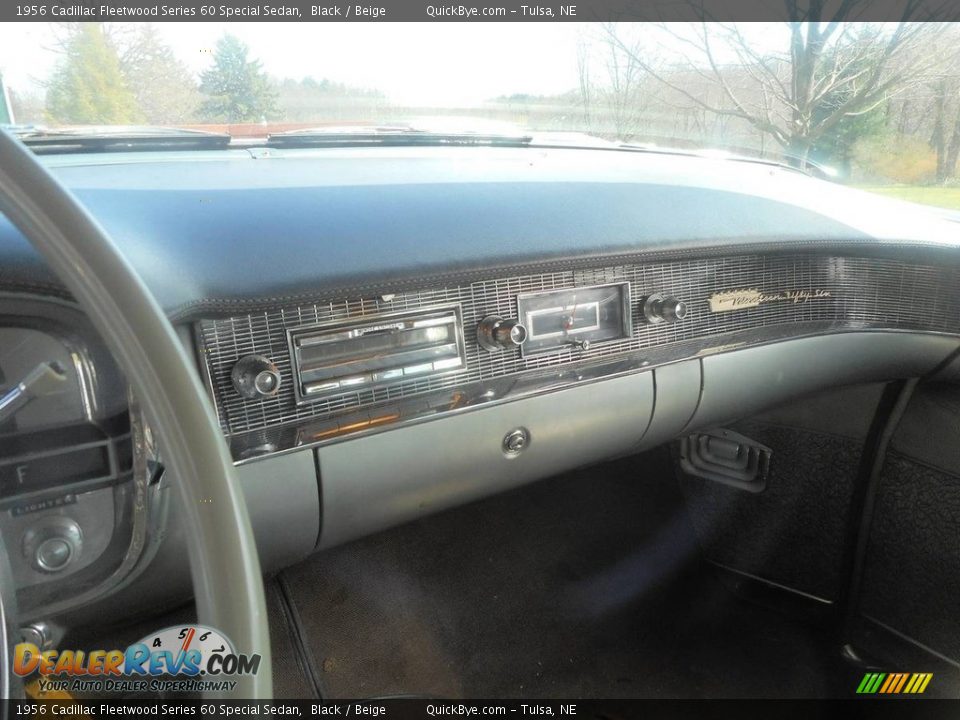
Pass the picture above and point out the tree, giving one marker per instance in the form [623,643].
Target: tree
[614,87]
[27,106]
[237,89]
[87,86]
[935,108]
[625,93]
[945,137]
[837,146]
[790,94]
[584,83]
[164,89]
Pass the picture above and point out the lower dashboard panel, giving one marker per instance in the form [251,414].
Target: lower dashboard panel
[373,482]
[370,483]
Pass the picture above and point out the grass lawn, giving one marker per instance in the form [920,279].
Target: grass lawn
[946,197]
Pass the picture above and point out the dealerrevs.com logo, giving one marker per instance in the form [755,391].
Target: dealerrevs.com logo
[196,657]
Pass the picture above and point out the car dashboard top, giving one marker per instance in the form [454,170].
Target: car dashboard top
[338,294]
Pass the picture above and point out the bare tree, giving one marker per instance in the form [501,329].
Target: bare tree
[829,70]
[613,85]
[624,96]
[935,107]
[585,85]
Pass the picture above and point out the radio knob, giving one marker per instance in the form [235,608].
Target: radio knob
[494,333]
[664,308]
[255,377]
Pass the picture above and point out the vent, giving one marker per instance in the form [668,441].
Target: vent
[333,358]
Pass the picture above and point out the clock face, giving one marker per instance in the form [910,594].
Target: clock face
[575,317]
[181,638]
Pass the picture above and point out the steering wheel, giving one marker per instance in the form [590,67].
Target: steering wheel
[224,564]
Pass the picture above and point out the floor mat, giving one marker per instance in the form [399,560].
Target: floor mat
[586,585]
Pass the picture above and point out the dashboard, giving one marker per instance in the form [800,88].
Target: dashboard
[387,332]
[368,370]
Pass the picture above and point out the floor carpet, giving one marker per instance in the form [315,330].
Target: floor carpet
[585,585]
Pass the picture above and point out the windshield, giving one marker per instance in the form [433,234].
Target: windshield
[871,104]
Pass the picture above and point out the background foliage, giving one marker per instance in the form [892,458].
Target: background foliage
[878,103]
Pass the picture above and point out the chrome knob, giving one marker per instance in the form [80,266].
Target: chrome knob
[255,376]
[664,308]
[494,333]
[52,546]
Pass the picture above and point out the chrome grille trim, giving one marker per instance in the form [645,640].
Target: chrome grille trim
[865,293]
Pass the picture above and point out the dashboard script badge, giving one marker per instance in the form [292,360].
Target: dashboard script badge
[748,298]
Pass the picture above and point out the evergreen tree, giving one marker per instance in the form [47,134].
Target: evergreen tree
[237,88]
[87,86]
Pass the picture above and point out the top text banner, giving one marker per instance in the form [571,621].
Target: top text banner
[486,11]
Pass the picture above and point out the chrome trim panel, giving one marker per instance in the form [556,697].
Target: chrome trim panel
[247,447]
[139,517]
[64,322]
[137,511]
[800,295]
[417,363]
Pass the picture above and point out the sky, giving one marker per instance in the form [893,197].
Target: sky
[443,64]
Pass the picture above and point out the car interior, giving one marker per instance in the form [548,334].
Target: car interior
[483,417]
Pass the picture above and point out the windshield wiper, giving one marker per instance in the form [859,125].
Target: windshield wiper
[117,139]
[396,135]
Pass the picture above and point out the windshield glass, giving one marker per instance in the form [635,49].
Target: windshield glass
[873,104]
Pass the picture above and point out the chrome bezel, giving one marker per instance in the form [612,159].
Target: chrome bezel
[138,506]
[374,319]
[626,314]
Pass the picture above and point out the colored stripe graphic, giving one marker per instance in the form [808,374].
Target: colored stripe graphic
[890,683]
[900,684]
[894,683]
